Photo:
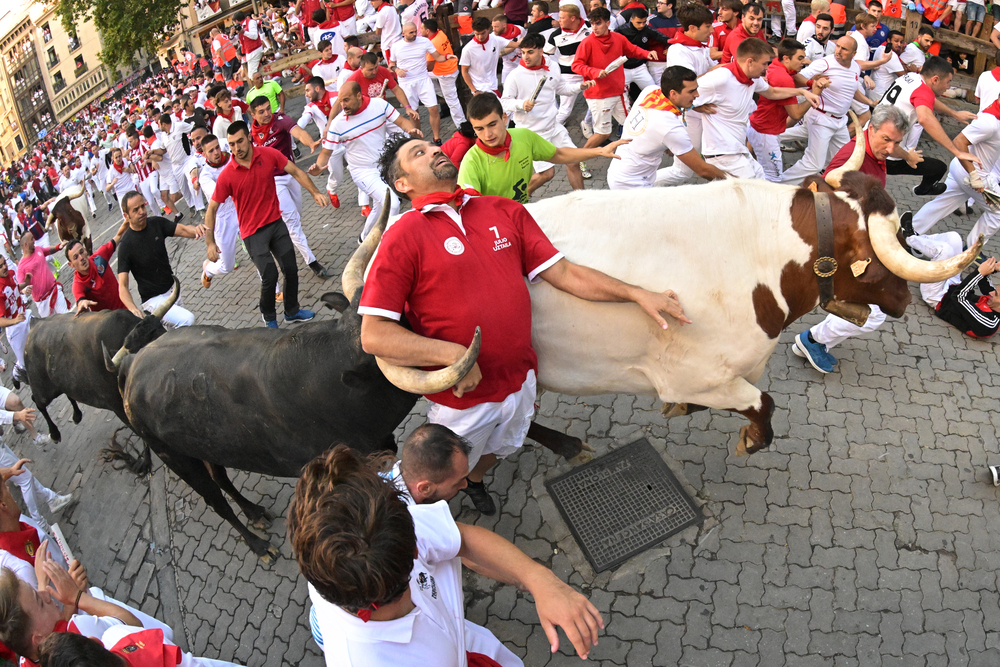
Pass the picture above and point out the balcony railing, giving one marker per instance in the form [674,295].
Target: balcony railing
[81,70]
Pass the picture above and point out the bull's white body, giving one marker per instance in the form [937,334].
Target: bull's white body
[712,244]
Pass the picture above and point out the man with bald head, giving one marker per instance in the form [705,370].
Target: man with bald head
[409,64]
[360,129]
[826,125]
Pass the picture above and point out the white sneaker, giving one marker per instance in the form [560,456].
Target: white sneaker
[996,475]
[588,129]
[59,502]
[43,439]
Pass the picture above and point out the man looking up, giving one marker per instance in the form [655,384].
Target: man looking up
[447,295]
[751,23]
[94,285]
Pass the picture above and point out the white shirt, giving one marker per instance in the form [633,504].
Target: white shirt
[119,631]
[837,97]
[695,58]
[363,134]
[725,131]
[987,89]
[414,13]
[913,56]
[863,51]
[412,57]
[481,59]
[24,570]
[886,74]
[984,138]
[312,113]
[330,72]
[387,20]
[207,177]
[435,633]
[125,180]
[806,31]
[899,95]
[174,141]
[652,132]
[815,50]
[331,35]
[520,86]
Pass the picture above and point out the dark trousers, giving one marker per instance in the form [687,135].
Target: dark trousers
[931,170]
[269,243]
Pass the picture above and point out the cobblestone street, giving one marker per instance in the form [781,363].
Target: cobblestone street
[861,537]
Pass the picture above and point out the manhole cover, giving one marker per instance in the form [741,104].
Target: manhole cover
[622,503]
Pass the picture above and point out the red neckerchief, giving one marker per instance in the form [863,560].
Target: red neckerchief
[525,66]
[364,105]
[510,32]
[458,196]
[120,171]
[482,44]
[229,116]
[225,159]
[329,23]
[147,648]
[261,132]
[993,109]
[490,150]
[480,660]
[738,73]
[333,59]
[996,73]
[22,543]
[684,40]
[324,104]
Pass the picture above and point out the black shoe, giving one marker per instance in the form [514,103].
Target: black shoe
[319,270]
[297,153]
[437,142]
[115,195]
[906,224]
[932,191]
[968,210]
[481,498]
[178,218]
[109,207]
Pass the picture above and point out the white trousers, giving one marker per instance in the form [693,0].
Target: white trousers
[227,233]
[826,136]
[566,102]
[17,336]
[767,147]
[32,490]
[349,27]
[955,196]
[739,165]
[253,61]
[175,317]
[369,180]
[936,247]
[149,187]
[639,76]
[788,8]
[834,330]
[447,85]
[656,68]
[191,197]
[289,201]
[56,303]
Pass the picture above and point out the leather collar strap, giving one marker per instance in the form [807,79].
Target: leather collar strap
[825,266]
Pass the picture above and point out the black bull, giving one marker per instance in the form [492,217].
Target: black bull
[206,398]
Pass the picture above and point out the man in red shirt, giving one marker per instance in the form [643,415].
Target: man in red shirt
[770,118]
[458,261]
[600,57]
[886,129]
[374,81]
[750,26]
[94,287]
[250,180]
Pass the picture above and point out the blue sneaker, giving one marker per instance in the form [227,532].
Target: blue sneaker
[271,324]
[814,353]
[302,316]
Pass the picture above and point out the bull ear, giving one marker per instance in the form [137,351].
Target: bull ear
[336,301]
[873,272]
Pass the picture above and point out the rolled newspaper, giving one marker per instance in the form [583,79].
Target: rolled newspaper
[60,539]
[615,64]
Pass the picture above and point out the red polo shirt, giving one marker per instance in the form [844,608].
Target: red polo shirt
[770,116]
[733,41]
[100,284]
[252,189]
[870,166]
[450,278]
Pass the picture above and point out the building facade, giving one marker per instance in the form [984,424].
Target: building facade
[25,81]
[71,62]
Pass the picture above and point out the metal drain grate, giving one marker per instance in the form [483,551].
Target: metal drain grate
[622,503]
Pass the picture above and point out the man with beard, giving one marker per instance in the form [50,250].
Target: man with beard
[885,75]
[820,45]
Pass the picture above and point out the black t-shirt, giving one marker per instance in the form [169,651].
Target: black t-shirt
[144,254]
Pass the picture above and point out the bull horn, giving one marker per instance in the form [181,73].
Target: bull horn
[354,273]
[421,382]
[882,233]
[78,194]
[857,157]
[162,309]
[113,363]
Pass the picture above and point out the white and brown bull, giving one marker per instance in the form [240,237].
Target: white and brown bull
[70,221]
[740,255]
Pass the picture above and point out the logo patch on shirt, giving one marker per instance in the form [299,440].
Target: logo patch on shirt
[426,582]
[454,246]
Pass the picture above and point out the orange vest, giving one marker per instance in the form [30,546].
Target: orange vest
[226,51]
[839,13]
[893,8]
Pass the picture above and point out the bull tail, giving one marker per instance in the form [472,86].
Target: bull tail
[121,456]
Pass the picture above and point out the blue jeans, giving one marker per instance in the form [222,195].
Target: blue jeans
[974,12]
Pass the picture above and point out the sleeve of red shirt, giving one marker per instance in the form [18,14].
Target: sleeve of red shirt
[580,65]
[107,250]
[391,276]
[923,96]
[537,252]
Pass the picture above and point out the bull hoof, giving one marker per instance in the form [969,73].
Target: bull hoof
[674,410]
[263,522]
[586,454]
[270,554]
[741,446]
